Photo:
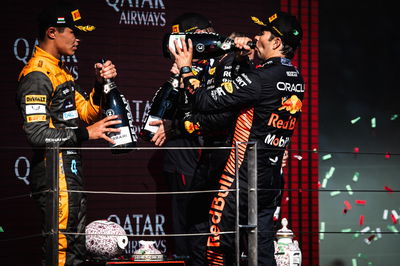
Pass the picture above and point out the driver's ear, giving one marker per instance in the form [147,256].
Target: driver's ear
[51,32]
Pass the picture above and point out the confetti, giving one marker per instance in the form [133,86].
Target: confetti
[378,232]
[346,230]
[387,155]
[388,189]
[362,256]
[327,157]
[353,262]
[367,241]
[298,157]
[394,220]
[392,228]
[329,174]
[394,117]
[394,213]
[356,235]
[315,150]
[347,204]
[322,230]
[373,122]
[361,220]
[361,202]
[356,176]
[366,229]
[335,193]
[385,214]
[356,149]
[1,229]
[355,120]
[324,182]
[349,190]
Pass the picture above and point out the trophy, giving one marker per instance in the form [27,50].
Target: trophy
[287,250]
[147,252]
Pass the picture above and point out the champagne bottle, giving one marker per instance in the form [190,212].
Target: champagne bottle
[114,103]
[205,44]
[164,105]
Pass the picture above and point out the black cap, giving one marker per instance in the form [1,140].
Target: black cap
[190,22]
[63,14]
[283,25]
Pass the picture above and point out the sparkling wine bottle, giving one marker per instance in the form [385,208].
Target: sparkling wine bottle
[114,103]
[205,44]
[164,105]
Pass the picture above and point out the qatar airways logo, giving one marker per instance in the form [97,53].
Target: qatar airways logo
[140,12]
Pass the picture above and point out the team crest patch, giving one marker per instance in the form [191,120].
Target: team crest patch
[76,15]
[211,71]
[273,17]
[228,86]
[175,28]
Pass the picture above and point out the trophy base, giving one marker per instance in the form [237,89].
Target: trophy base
[148,257]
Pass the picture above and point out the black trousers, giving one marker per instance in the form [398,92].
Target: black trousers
[72,207]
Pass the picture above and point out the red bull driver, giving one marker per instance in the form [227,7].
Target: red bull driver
[269,99]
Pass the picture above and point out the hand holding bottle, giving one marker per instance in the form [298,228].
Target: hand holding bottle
[99,129]
[183,53]
[162,133]
[105,71]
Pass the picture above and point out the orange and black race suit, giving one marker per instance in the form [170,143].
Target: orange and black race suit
[269,99]
[52,107]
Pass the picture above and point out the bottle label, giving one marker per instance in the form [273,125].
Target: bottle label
[176,37]
[122,137]
[152,129]
[108,87]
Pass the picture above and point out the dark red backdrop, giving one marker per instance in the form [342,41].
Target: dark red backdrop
[129,33]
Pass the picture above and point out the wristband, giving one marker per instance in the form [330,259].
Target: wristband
[185,70]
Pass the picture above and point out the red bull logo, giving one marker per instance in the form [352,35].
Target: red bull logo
[292,105]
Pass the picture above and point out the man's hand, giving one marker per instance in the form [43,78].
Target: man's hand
[183,55]
[163,131]
[99,129]
[105,71]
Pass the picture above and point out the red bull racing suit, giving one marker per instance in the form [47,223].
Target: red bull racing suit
[52,106]
[269,99]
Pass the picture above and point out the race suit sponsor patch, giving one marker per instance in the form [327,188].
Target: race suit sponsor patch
[35,109]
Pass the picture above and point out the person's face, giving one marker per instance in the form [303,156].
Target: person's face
[264,46]
[66,42]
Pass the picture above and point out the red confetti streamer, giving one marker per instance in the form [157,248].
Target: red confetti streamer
[394,220]
[370,238]
[361,220]
[361,202]
[388,189]
[387,155]
[345,210]
[347,204]
[356,150]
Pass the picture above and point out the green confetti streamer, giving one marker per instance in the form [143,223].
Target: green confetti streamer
[349,190]
[392,228]
[356,235]
[335,193]
[355,176]
[373,122]
[1,229]
[326,157]
[355,120]
[354,262]
[322,230]
[324,183]
[329,174]
[394,117]
[370,263]
[346,230]
[362,256]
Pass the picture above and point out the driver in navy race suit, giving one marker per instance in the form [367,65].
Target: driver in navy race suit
[269,100]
